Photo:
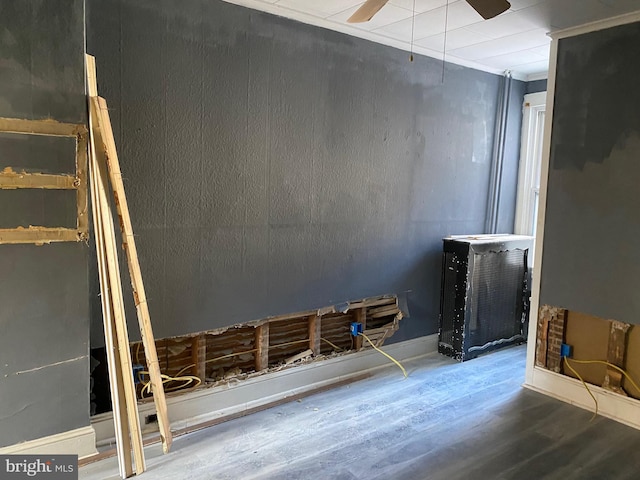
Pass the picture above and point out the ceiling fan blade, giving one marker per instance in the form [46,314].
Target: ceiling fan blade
[367,11]
[489,8]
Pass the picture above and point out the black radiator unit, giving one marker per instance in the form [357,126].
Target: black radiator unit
[485,296]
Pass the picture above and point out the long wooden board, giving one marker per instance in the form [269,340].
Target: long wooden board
[123,442]
[119,321]
[361,317]
[12,180]
[38,235]
[106,140]
[315,333]
[122,433]
[41,127]
[262,347]
[126,417]
[82,195]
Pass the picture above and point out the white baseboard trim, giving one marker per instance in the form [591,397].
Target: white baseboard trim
[611,405]
[81,442]
[209,404]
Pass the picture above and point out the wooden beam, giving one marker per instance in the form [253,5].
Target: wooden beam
[107,143]
[299,356]
[105,234]
[262,347]
[380,330]
[393,328]
[92,77]
[38,235]
[615,355]
[372,302]
[122,433]
[315,329]
[121,416]
[41,127]
[10,180]
[199,356]
[115,288]
[82,198]
[384,311]
[109,336]
[119,321]
[544,319]
[360,317]
[291,316]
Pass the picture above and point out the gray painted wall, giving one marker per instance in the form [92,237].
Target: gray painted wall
[44,291]
[537,86]
[591,262]
[273,166]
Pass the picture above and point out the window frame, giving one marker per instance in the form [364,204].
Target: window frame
[530,163]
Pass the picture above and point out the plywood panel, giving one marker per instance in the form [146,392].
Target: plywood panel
[632,361]
[589,337]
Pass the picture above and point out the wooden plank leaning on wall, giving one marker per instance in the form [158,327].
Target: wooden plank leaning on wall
[123,395]
[106,144]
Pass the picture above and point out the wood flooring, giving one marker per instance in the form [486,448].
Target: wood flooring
[447,420]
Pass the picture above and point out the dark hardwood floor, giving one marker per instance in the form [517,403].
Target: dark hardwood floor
[446,421]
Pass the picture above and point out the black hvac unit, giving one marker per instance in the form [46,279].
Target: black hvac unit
[485,296]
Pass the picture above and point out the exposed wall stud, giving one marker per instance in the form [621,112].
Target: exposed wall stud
[262,347]
[544,318]
[360,317]
[315,328]
[199,356]
[615,355]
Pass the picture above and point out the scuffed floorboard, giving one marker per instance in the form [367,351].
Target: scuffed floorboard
[447,420]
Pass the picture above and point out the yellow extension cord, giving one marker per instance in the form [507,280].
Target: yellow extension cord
[166,379]
[385,354]
[615,367]
[188,379]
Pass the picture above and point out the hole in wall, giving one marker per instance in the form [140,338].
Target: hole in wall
[594,346]
[213,358]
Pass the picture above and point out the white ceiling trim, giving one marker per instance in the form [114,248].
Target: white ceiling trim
[537,76]
[597,25]
[377,37]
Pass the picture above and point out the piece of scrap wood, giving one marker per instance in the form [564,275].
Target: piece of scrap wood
[299,356]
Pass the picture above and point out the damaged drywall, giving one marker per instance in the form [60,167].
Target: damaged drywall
[598,350]
[241,351]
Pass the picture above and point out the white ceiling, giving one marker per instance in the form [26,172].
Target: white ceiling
[516,40]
